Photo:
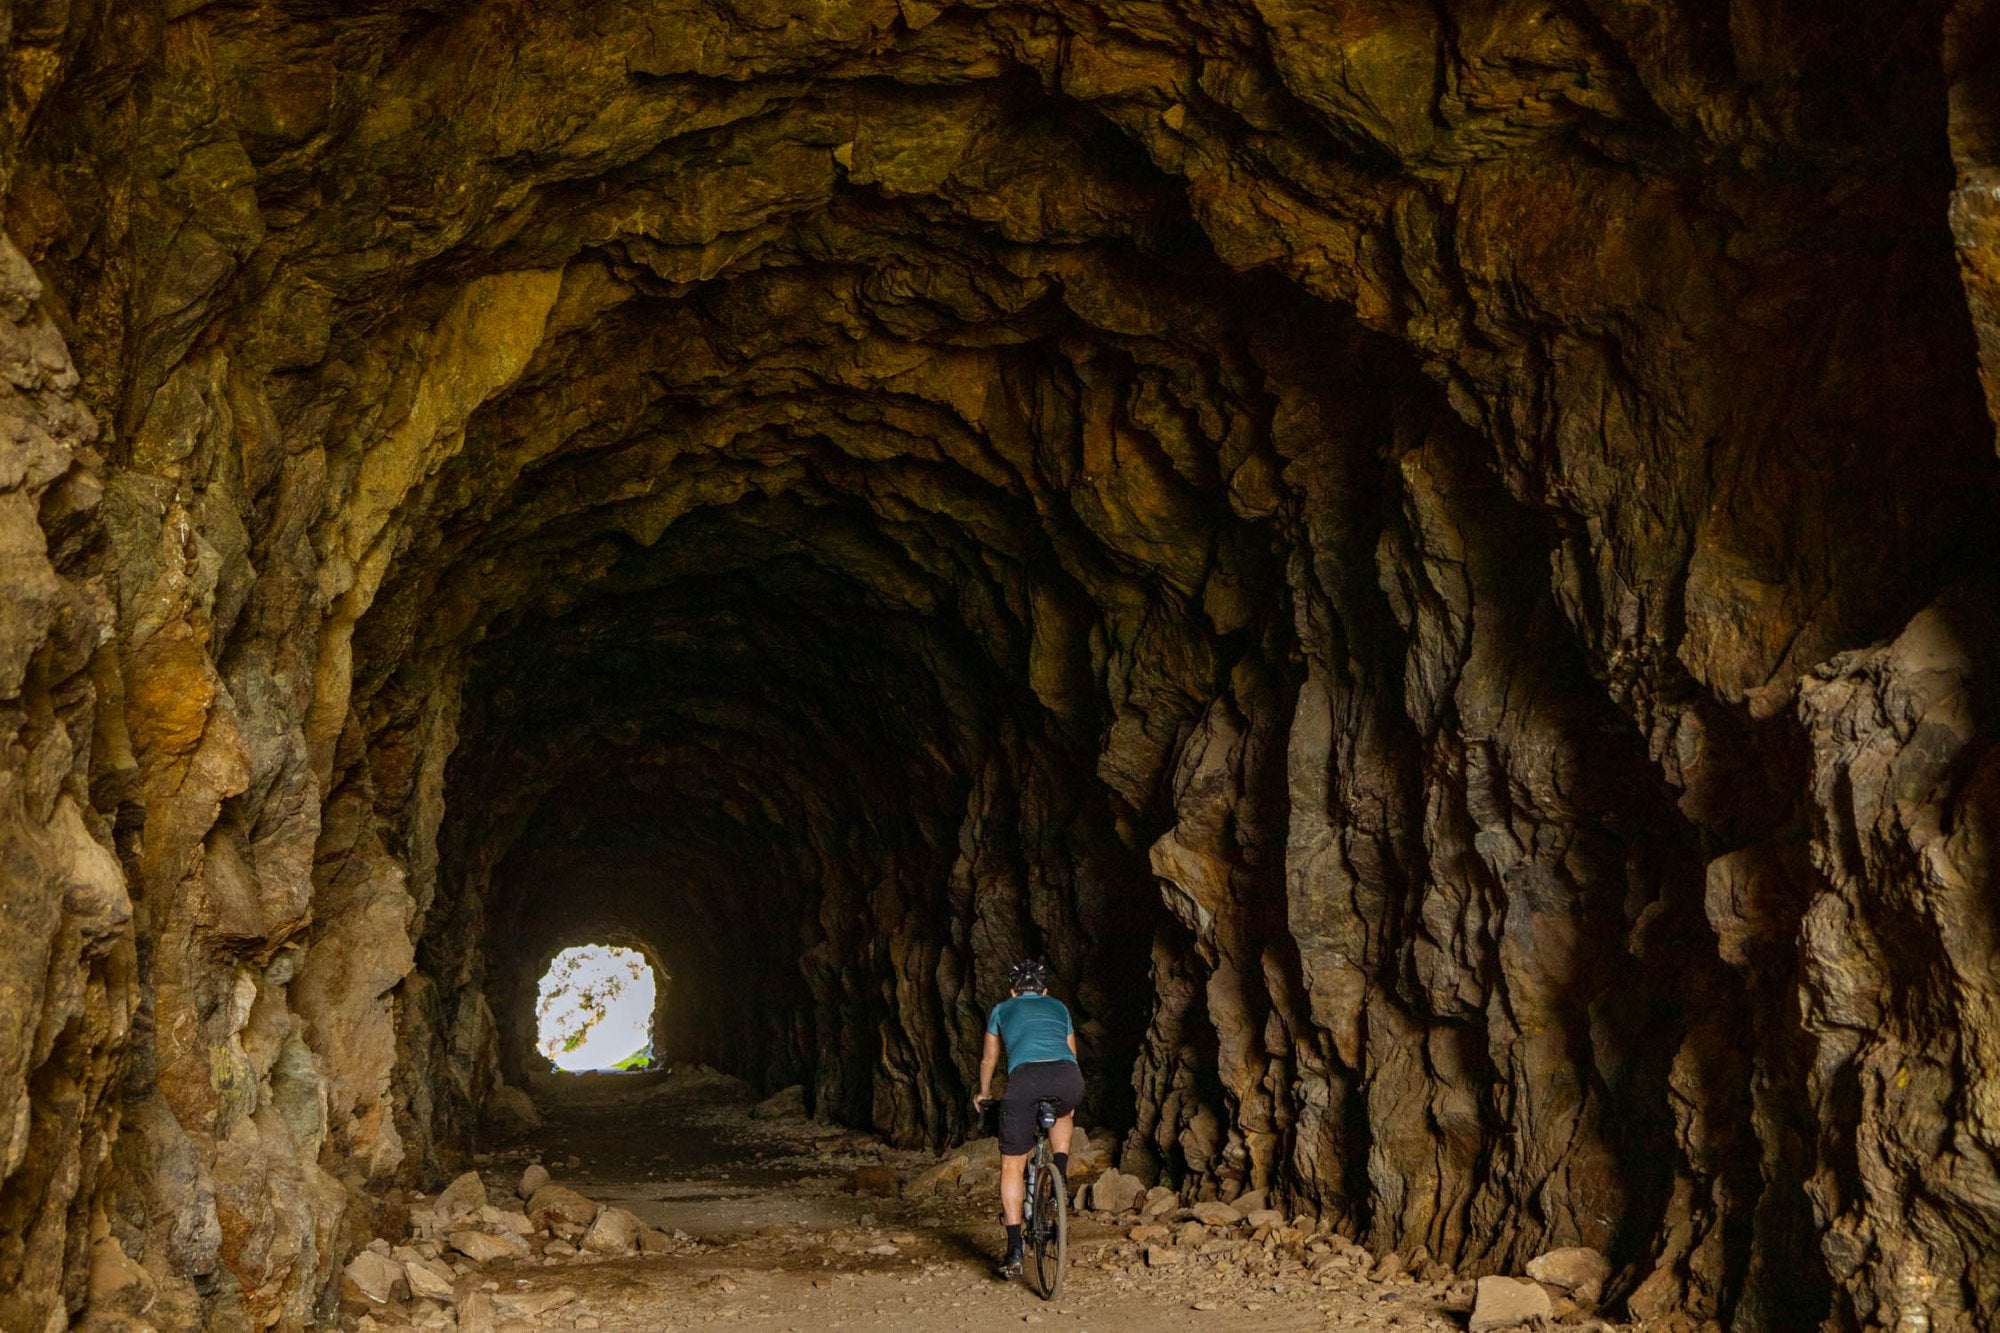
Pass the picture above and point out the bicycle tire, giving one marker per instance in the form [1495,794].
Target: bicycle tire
[1051,1231]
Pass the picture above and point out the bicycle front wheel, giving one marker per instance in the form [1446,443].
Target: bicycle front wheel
[1051,1231]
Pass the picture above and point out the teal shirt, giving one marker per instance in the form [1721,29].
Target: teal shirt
[1033,1027]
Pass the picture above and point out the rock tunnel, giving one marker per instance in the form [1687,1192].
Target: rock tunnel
[1434,559]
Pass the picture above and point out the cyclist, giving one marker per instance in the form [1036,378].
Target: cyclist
[1040,1041]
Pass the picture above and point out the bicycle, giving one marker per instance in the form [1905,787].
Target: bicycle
[1045,1210]
[1045,1202]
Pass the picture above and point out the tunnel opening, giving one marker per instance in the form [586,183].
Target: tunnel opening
[594,1010]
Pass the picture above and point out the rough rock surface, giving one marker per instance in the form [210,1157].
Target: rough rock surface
[510,1112]
[1435,560]
[1574,1269]
[1115,1192]
[562,1203]
[615,1232]
[464,1197]
[484,1247]
[1214,1213]
[430,1280]
[1506,1302]
[374,1275]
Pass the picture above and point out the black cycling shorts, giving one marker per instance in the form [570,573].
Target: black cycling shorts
[1059,1080]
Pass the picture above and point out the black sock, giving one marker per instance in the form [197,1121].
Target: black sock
[1062,1164]
[1013,1235]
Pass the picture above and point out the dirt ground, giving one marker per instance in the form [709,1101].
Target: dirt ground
[768,1233]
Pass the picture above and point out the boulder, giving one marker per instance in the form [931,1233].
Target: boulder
[462,1198]
[483,1248]
[785,1104]
[1265,1217]
[1159,1256]
[1576,1269]
[477,1315]
[1116,1192]
[616,1232]
[1507,1302]
[532,1179]
[933,1178]
[502,1219]
[1088,1158]
[653,1241]
[1215,1214]
[1251,1201]
[1159,1199]
[510,1113]
[430,1279]
[560,1203]
[374,1276]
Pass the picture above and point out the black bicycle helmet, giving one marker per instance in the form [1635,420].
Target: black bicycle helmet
[1028,974]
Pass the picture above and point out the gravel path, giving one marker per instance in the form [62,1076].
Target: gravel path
[760,1225]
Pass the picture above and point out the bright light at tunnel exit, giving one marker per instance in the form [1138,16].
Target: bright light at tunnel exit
[596,1009]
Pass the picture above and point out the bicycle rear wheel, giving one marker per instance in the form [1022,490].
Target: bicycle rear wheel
[1051,1231]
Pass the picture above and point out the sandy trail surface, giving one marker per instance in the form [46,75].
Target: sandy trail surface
[764,1228]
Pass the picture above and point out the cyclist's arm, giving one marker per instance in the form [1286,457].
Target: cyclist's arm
[989,1060]
[1072,1043]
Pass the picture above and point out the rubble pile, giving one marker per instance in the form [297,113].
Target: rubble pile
[447,1273]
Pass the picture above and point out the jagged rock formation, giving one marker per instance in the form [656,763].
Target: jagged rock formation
[1431,557]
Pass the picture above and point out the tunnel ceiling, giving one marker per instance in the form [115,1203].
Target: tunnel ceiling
[1431,557]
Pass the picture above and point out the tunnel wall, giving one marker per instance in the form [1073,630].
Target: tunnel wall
[1460,547]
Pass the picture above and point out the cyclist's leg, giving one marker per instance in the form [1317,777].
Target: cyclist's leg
[1017,1140]
[1059,1133]
[1013,1187]
[1069,1091]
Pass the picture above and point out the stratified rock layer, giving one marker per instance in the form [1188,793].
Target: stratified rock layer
[1431,559]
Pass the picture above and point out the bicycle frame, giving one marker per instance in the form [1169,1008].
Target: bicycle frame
[1038,1161]
[1044,1233]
